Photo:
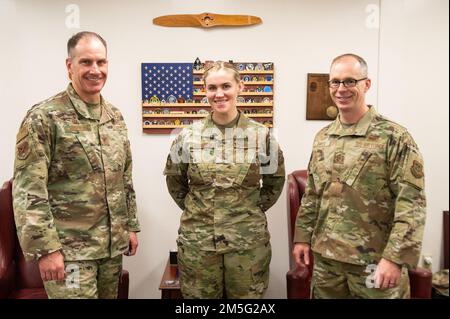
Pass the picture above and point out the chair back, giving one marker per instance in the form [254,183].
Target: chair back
[27,272]
[7,229]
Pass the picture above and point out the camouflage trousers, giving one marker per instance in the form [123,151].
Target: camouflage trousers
[338,280]
[87,279]
[234,275]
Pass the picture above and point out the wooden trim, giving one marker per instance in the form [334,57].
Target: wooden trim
[201,105]
[200,72]
[242,93]
[446,239]
[199,115]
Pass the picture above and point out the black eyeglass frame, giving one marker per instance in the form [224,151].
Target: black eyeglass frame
[334,86]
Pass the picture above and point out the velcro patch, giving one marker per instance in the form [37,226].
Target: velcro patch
[119,126]
[23,150]
[414,173]
[23,132]
[74,128]
[370,145]
[416,169]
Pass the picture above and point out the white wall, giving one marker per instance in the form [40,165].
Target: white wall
[299,36]
[414,91]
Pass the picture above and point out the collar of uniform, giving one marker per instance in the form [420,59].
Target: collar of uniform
[81,107]
[209,123]
[242,122]
[358,129]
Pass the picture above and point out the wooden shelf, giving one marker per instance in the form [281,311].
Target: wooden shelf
[200,72]
[245,82]
[177,126]
[257,82]
[242,93]
[174,115]
[254,104]
[163,126]
[175,105]
[259,115]
[200,115]
[201,105]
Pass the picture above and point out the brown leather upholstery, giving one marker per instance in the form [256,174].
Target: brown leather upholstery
[20,279]
[299,280]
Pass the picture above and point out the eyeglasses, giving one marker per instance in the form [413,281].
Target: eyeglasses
[348,83]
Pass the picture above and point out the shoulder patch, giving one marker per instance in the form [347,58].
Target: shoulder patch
[416,169]
[23,150]
[414,173]
[23,132]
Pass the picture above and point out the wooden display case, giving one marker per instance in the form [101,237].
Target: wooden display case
[256,101]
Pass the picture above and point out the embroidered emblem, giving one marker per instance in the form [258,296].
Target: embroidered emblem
[23,150]
[417,169]
[320,156]
[339,158]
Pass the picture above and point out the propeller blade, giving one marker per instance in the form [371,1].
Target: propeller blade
[205,20]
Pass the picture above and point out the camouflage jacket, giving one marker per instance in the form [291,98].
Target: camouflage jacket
[440,282]
[216,179]
[365,194]
[72,186]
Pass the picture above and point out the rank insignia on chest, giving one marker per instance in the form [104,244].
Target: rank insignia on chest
[339,158]
[335,189]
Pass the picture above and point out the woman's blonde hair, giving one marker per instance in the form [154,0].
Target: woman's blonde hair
[221,65]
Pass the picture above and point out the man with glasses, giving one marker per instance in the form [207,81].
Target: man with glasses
[363,212]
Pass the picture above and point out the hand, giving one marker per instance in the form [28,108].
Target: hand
[51,266]
[301,254]
[132,245]
[387,274]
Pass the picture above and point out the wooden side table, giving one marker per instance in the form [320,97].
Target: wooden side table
[170,285]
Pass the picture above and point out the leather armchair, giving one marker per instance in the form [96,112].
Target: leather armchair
[20,279]
[299,279]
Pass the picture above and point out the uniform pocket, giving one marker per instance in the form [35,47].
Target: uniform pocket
[92,151]
[248,160]
[260,269]
[368,175]
[71,158]
[320,176]
[114,154]
[199,174]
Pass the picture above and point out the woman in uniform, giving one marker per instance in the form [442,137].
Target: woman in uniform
[224,172]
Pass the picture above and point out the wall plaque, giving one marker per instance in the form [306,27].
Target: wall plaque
[319,105]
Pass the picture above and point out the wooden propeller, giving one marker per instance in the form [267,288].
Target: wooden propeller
[206,20]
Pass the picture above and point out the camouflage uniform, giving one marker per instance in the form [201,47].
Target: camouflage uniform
[91,279]
[338,280]
[365,197]
[72,181]
[215,179]
[440,283]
